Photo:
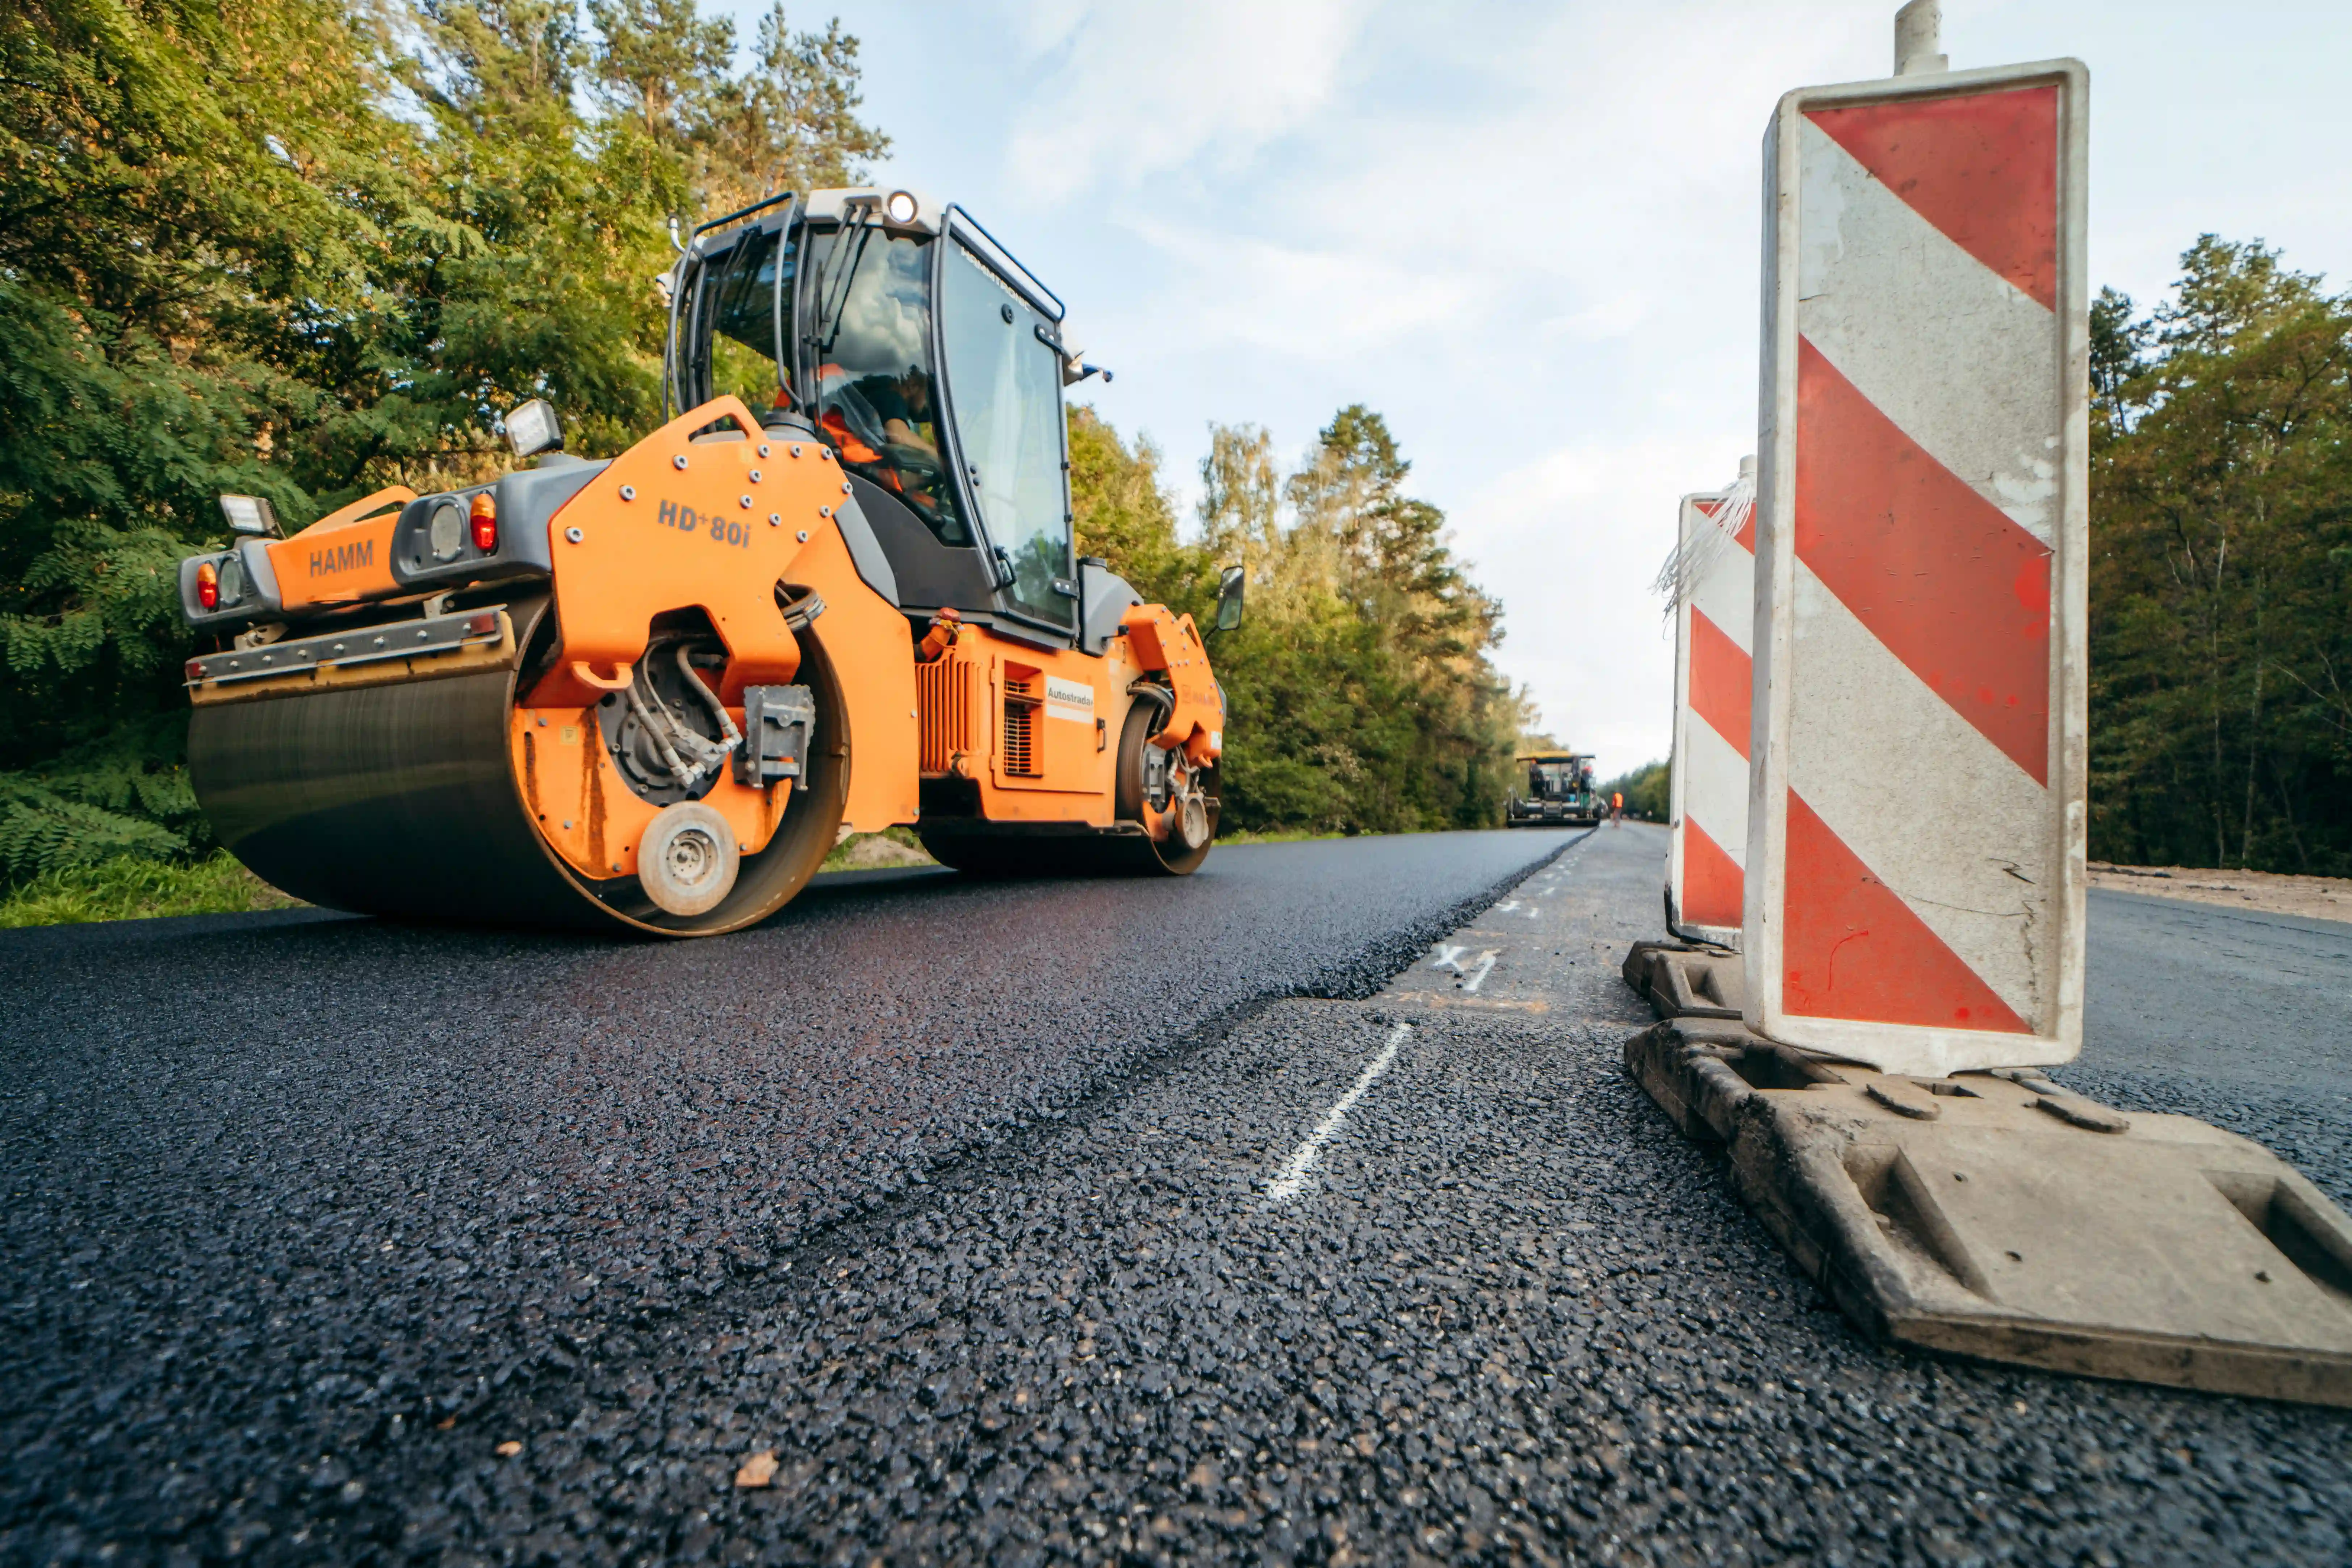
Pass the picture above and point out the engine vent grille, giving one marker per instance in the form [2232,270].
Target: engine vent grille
[943,695]
[1021,712]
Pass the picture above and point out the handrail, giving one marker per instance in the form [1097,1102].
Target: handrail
[760,205]
[1060,312]
[671,369]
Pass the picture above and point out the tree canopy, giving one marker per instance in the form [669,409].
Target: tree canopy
[2222,569]
[1363,696]
[305,249]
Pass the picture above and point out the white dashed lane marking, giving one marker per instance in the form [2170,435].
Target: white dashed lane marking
[1449,957]
[1292,1178]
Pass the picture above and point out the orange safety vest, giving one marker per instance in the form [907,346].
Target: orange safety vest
[849,446]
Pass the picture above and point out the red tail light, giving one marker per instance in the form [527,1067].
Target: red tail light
[485,513]
[208,585]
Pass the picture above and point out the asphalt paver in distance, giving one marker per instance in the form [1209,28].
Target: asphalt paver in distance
[1504,1313]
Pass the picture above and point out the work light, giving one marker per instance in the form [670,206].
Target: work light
[533,428]
[250,515]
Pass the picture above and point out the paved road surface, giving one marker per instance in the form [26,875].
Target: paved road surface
[1070,1226]
[2239,1017]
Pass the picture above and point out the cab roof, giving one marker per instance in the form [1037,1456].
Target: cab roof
[1554,757]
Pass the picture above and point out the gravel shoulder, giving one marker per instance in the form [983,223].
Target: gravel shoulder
[2263,892]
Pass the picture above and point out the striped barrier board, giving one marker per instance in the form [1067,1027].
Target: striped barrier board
[1916,827]
[1713,609]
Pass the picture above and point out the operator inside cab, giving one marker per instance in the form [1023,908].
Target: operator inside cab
[876,397]
[877,392]
[899,406]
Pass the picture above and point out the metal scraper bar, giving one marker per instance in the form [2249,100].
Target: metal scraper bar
[404,640]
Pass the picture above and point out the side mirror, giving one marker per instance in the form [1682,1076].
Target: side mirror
[1229,599]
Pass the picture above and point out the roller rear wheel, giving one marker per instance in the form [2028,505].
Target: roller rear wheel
[1174,851]
[981,850]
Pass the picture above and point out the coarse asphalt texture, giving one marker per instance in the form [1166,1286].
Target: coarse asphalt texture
[332,1240]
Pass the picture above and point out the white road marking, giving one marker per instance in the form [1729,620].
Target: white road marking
[1289,1181]
[1485,966]
[1507,908]
[1448,958]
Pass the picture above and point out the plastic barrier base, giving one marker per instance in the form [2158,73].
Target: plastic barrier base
[1998,1217]
[1681,980]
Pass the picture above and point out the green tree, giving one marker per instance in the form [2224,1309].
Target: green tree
[191,202]
[661,63]
[1361,697]
[1123,515]
[226,264]
[791,124]
[2222,571]
[1646,791]
[1240,498]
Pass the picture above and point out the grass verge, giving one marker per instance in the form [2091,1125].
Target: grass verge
[130,889]
[1273,836]
[871,851]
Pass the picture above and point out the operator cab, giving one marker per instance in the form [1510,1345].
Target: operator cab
[901,335]
[1558,776]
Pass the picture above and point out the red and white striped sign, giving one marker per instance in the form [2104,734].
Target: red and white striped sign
[1916,809]
[1714,582]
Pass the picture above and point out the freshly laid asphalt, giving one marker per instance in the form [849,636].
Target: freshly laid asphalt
[2238,1016]
[331,1240]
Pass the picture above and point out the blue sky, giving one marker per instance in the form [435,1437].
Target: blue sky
[1527,232]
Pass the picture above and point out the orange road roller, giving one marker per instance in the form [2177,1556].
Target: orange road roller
[655,690]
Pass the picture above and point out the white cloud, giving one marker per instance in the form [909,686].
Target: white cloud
[1526,232]
[1612,318]
[1301,299]
[1133,89]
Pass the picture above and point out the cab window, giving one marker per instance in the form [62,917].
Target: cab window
[736,294]
[1007,383]
[878,395]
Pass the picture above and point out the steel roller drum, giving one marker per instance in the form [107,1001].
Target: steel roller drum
[400,799]
[1024,850]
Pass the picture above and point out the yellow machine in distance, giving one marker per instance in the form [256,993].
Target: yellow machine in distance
[1560,792]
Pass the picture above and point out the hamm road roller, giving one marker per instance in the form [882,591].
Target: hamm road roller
[653,691]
